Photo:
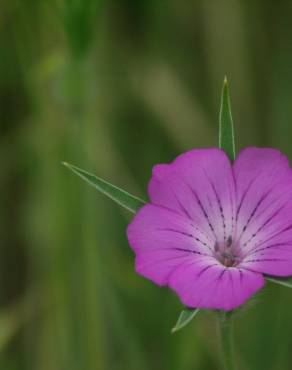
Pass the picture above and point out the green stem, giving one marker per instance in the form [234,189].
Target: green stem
[225,330]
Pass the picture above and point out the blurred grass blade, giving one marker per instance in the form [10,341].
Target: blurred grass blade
[226,131]
[120,196]
[185,317]
[280,280]
[14,317]
[10,324]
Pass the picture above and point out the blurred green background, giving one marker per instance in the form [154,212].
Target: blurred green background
[116,86]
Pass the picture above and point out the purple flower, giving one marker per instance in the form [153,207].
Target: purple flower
[212,229]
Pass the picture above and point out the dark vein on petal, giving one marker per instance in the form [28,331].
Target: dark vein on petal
[183,264]
[253,213]
[241,275]
[190,251]
[218,203]
[176,231]
[188,215]
[243,197]
[206,268]
[162,249]
[202,232]
[232,208]
[254,251]
[203,210]
[182,207]
[188,235]
[266,260]
[155,262]
[264,225]
[250,269]
[261,242]
[222,273]
[271,203]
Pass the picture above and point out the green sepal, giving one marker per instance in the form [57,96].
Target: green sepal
[226,130]
[185,317]
[287,282]
[120,196]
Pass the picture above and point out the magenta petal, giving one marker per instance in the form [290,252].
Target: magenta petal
[273,257]
[264,213]
[214,229]
[264,192]
[198,184]
[207,284]
[163,239]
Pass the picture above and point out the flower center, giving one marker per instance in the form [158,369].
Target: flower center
[226,253]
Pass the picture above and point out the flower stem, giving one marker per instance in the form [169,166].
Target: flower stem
[225,330]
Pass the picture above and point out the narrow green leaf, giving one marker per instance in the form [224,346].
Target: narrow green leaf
[184,318]
[120,196]
[226,131]
[287,282]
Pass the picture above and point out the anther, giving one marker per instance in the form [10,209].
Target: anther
[229,241]
[216,247]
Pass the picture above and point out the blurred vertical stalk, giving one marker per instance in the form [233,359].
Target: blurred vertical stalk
[225,331]
[77,82]
[73,335]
